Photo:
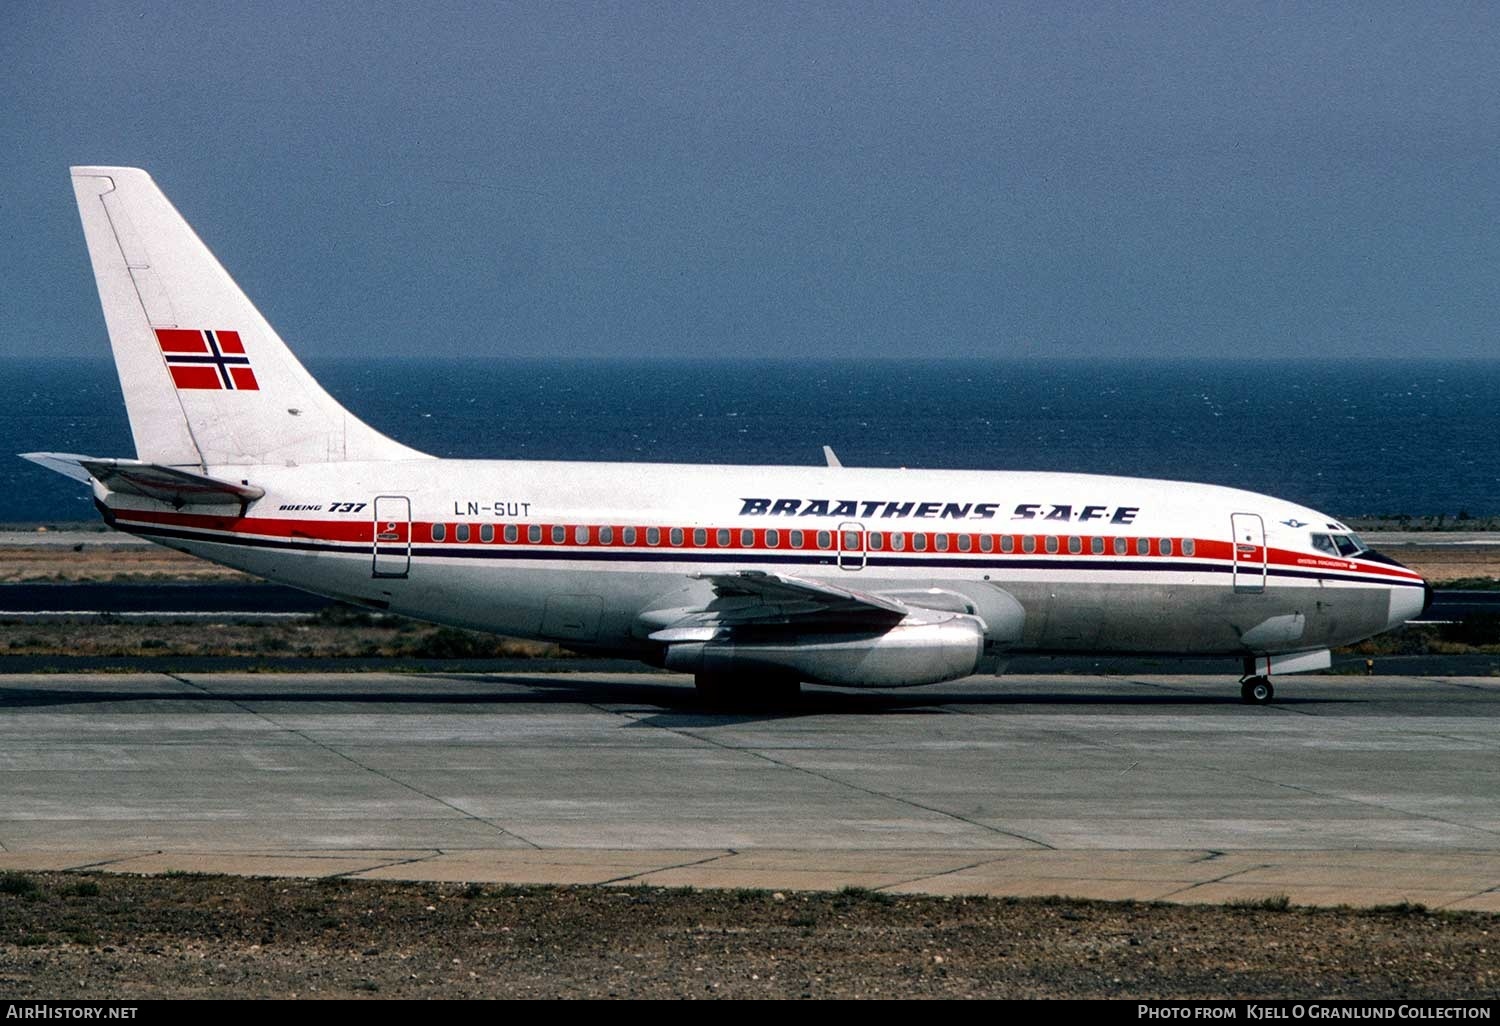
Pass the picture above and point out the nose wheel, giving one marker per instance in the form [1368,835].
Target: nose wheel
[1256,690]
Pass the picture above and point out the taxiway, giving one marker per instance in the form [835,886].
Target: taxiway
[1348,790]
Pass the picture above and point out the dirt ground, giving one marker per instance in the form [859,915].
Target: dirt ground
[107,936]
[25,563]
[335,634]
[1444,565]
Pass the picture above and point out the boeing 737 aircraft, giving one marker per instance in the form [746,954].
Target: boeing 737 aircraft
[754,579]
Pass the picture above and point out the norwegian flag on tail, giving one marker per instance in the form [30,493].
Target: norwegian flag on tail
[199,358]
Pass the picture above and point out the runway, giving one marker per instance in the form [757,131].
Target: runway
[1349,790]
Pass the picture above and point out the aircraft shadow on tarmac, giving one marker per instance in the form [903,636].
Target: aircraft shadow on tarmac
[674,700]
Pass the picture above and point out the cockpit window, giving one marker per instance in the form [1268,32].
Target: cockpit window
[1344,545]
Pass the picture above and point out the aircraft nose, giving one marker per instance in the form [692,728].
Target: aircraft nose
[1407,602]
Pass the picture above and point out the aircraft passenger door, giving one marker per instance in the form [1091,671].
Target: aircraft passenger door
[1249,553]
[392,542]
[851,546]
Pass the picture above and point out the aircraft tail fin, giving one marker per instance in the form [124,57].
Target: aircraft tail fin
[207,381]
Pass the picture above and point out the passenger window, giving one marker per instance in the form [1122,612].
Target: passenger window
[722,537]
[1142,547]
[628,536]
[877,540]
[581,535]
[1007,543]
[1096,546]
[1166,546]
[1028,543]
[461,532]
[747,539]
[1122,547]
[1075,544]
[942,543]
[1051,543]
[559,534]
[653,536]
[439,532]
[919,542]
[796,539]
[965,543]
[606,535]
[1188,547]
[486,532]
[534,533]
[512,533]
[676,535]
[824,539]
[700,536]
[898,541]
[773,538]
[851,541]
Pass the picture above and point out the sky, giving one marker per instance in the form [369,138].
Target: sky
[1039,180]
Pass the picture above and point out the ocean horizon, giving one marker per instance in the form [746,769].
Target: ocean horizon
[1350,437]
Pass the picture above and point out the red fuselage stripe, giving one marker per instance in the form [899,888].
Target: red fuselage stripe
[361,533]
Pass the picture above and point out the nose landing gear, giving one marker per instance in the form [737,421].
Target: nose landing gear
[1256,690]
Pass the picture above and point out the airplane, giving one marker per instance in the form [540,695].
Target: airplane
[754,579]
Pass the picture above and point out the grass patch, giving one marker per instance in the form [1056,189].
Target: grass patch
[1270,903]
[851,894]
[80,889]
[19,884]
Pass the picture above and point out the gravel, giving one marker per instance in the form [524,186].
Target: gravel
[119,937]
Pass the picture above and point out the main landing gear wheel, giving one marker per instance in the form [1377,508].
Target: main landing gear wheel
[1257,690]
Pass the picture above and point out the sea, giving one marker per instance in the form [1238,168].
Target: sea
[1349,437]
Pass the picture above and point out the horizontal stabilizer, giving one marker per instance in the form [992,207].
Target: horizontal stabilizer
[171,485]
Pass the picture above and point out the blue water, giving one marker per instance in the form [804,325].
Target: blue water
[1348,438]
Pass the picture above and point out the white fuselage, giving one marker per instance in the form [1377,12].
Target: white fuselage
[598,555]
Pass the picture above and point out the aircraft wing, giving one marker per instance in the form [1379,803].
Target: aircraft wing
[154,481]
[785,588]
[754,598]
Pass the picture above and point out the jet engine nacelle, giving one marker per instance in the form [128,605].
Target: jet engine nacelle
[914,651]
